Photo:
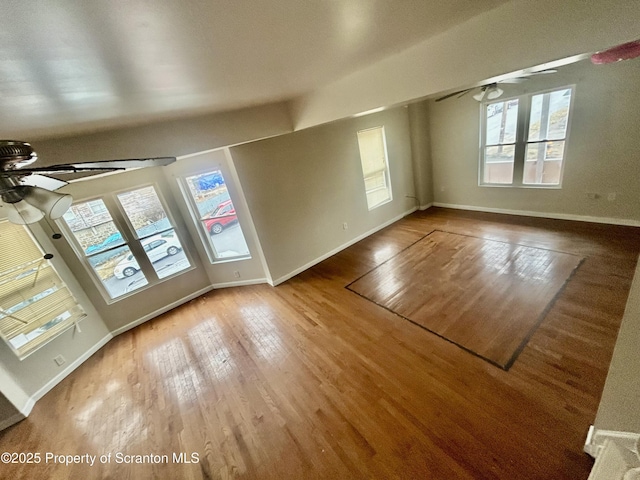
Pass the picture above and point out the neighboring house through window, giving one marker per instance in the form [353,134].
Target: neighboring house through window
[523,139]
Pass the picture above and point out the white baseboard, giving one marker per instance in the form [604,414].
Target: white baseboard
[310,264]
[242,283]
[596,439]
[6,423]
[161,310]
[183,300]
[25,410]
[530,213]
[424,207]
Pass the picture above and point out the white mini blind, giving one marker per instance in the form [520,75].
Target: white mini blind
[35,304]
[375,170]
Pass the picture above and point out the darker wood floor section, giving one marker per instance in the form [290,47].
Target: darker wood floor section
[309,380]
[485,296]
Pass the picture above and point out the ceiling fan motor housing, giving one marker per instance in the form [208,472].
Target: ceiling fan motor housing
[14,154]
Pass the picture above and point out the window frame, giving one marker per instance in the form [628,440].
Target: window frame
[129,239]
[522,140]
[385,171]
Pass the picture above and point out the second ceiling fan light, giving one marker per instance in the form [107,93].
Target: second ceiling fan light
[491,92]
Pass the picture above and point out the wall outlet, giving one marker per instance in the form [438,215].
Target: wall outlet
[611,196]
[592,196]
[345,225]
[59,360]
[236,274]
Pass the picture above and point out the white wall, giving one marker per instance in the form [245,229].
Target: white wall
[303,186]
[603,151]
[516,35]
[169,138]
[620,402]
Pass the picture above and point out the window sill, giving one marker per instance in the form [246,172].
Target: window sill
[111,301]
[380,204]
[230,259]
[525,187]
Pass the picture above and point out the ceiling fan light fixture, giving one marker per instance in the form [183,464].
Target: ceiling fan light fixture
[494,92]
[53,204]
[480,96]
[23,213]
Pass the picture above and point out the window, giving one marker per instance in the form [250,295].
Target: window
[375,167]
[218,224]
[115,261]
[524,139]
[35,304]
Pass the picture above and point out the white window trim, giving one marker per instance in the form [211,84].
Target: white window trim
[522,129]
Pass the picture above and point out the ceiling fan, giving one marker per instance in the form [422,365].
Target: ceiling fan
[491,91]
[28,193]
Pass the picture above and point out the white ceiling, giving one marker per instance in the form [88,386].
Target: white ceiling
[68,66]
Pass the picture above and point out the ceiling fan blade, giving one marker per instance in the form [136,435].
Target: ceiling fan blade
[541,72]
[626,51]
[42,181]
[460,92]
[464,93]
[100,165]
[514,80]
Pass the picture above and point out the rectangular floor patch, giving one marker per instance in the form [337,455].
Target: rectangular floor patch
[486,296]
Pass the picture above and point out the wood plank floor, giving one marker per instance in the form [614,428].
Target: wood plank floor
[309,380]
[485,296]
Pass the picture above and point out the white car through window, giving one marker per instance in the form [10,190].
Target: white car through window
[156,247]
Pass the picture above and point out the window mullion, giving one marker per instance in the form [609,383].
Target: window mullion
[129,235]
[521,144]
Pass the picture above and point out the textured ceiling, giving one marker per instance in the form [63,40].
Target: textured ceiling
[77,65]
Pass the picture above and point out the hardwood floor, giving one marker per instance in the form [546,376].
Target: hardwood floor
[487,297]
[310,380]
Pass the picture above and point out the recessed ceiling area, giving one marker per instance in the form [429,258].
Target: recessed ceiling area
[73,66]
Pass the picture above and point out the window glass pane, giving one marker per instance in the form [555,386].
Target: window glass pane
[559,114]
[543,163]
[118,270]
[145,211]
[217,215]
[498,167]
[93,227]
[501,122]
[549,115]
